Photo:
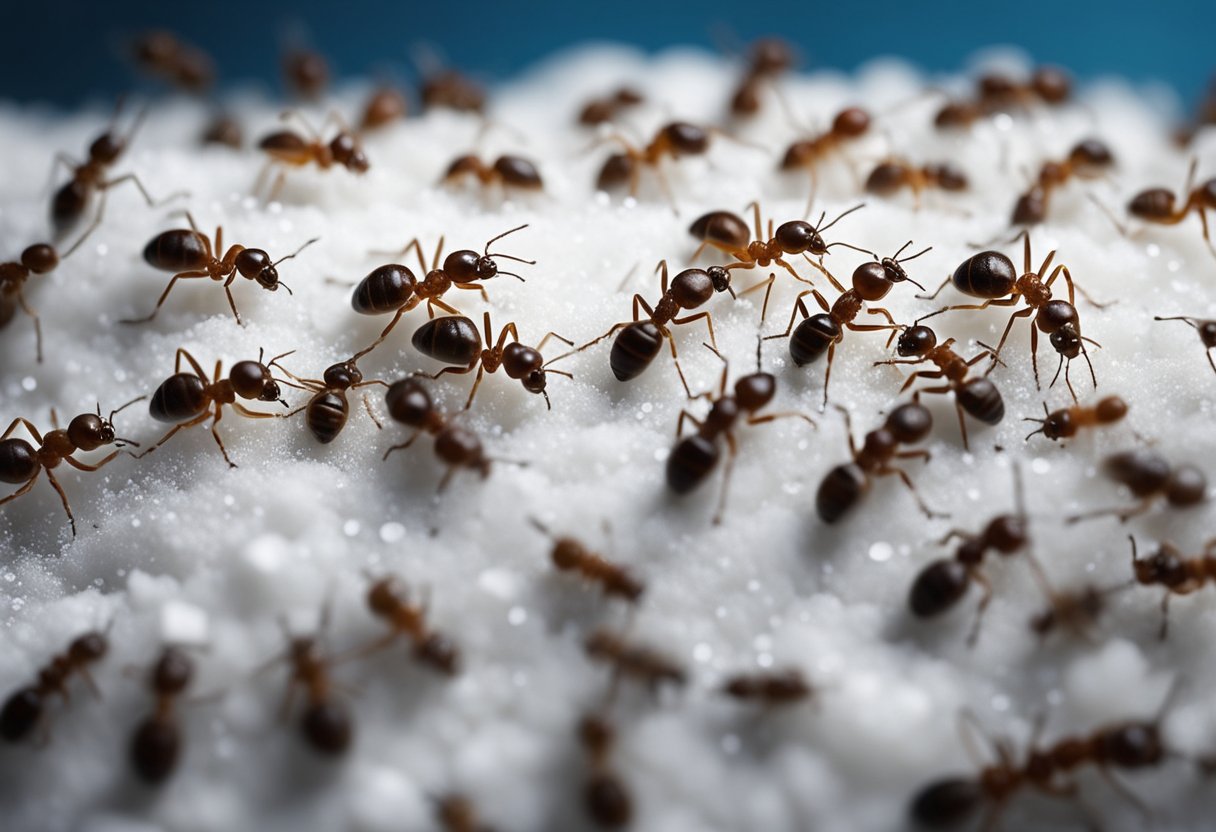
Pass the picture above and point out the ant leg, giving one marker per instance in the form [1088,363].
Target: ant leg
[401,446]
[780,261]
[132,178]
[785,414]
[985,599]
[25,307]
[481,371]
[61,160]
[63,498]
[962,424]
[709,323]
[473,287]
[277,188]
[921,374]
[1013,300]
[799,306]
[887,470]
[1124,792]
[822,270]
[917,454]
[28,426]
[446,479]
[952,535]
[219,414]
[671,342]
[732,449]
[81,466]
[367,405]
[165,294]
[232,303]
[945,283]
[1162,634]
[684,414]
[23,489]
[1021,313]
[612,331]
[253,414]
[827,375]
[1203,221]
[768,286]
[548,335]
[431,303]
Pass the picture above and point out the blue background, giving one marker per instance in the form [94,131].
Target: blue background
[64,53]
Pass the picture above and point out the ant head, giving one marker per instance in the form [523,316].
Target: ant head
[755,390]
[1152,204]
[1055,425]
[720,277]
[851,122]
[172,671]
[348,153]
[385,595]
[1007,533]
[466,266]
[1067,341]
[1133,745]
[1164,567]
[686,139]
[89,647]
[343,375]
[106,148]
[1091,153]
[948,176]
[409,402]
[916,340]
[252,380]
[89,431]
[255,264]
[910,422]
[1207,333]
[40,258]
[1056,315]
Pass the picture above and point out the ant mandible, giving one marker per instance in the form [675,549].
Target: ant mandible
[25,708]
[289,148]
[328,409]
[1205,328]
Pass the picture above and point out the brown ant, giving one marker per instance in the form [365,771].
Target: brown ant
[157,741]
[40,258]
[1205,328]
[224,130]
[1065,422]
[992,276]
[605,109]
[768,59]
[997,93]
[695,456]
[289,148]
[456,813]
[724,230]
[570,555]
[410,404]
[846,484]
[454,340]
[384,106]
[183,65]
[978,396]
[820,333]
[189,398]
[1158,205]
[605,797]
[454,91]
[1088,159]
[676,139]
[326,722]
[305,72]
[893,175]
[1174,572]
[25,708]
[506,171]
[389,599]
[1149,476]
[633,660]
[328,409]
[190,254]
[942,583]
[638,341]
[21,463]
[771,689]
[807,154]
[1075,611]
[393,288]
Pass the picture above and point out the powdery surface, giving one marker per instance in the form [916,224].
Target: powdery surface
[178,547]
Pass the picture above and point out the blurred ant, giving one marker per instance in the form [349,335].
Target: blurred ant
[25,708]
[456,813]
[288,148]
[450,89]
[384,106]
[157,741]
[978,396]
[770,688]
[389,599]
[893,175]
[846,484]
[40,258]
[305,72]
[821,333]
[570,555]
[325,723]
[1046,85]
[807,154]
[605,797]
[1065,422]
[769,58]
[695,456]
[327,410]
[508,172]
[1205,328]
[21,463]
[189,398]
[1149,477]
[1159,205]
[607,108]
[1074,611]
[638,341]
[630,660]
[676,139]
[1088,159]
[454,340]
[185,66]
[224,130]
[1174,572]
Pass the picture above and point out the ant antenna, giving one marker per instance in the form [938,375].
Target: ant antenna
[1042,422]
[120,409]
[856,207]
[504,234]
[293,254]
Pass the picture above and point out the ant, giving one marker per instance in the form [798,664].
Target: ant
[188,398]
[1047,85]
[305,72]
[1174,572]
[328,409]
[893,175]
[389,599]
[456,813]
[506,171]
[455,340]
[992,276]
[1205,328]
[410,404]
[633,660]
[156,742]
[676,139]
[1149,476]
[190,254]
[454,91]
[942,583]
[605,109]
[1076,611]
[695,456]
[638,341]
[1065,422]
[724,230]
[605,796]
[25,708]
[1088,159]
[394,288]
[845,484]
[384,106]
[822,332]
[806,154]
[570,555]
[21,463]
[287,147]
[769,58]
[224,130]
[40,258]
[1157,205]
[183,65]
[979,397]
[771,689]
[326,721]
[1129,745]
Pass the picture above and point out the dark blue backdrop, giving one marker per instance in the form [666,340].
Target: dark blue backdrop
[65,52]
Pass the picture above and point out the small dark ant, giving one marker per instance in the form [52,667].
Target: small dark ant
[942,583]
[394,288]
[820,333]
[453,91]
[224,130]
[676,140]
[1149,476]
[1174,572]
[325,723]
[1075,611]
[1088,159]
[328,409]
[163,54]
[1158,205]
[1205,328]
[977,396]
[21,464]
[384,106]
[846,484]
[605,797]
[389,599]
[24,710]
[770,689]
[893,175]
[1065,422]
[410,404]
[188,398]
[305,72]
[768,59]
[634,660]
[157,742]
[288,148]
[998,93]
[694,457]
[508,172]
[456,813]
[639,341]
[991,275]
[190,254]
[40,258]
[606,109]
[455,340]
[570,555]
[807,154]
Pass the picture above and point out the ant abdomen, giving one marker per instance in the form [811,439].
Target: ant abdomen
[812,338]
[327,726]
[17,461]
[617,170]
[988,274]
[518,172]
[452,340]
[326,415]
[721,227]
[634,349]
[1152,203]
[607,801]
[384,289]
[69,204]
[840,490]
[155,748]
[176,250]
[938,587]
[179,397]
[947,803]
[690,462]
[980,398]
